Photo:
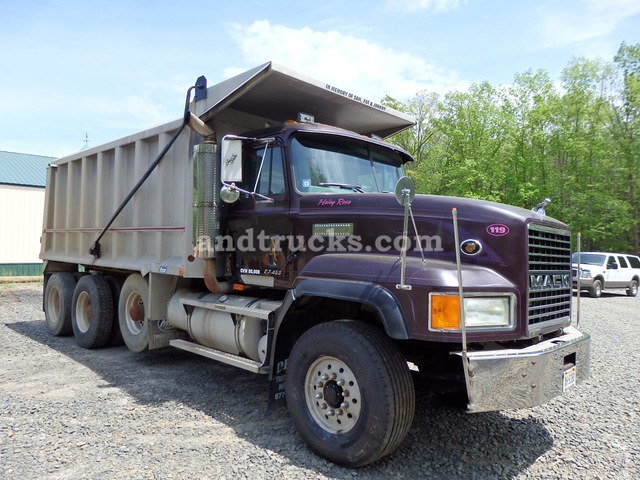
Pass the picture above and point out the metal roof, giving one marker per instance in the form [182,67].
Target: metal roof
[23,169]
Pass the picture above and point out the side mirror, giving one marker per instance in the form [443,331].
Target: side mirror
[229,193]
[231,168]
[405,190]
[231,160]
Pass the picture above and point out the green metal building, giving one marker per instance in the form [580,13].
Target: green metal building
[22,182]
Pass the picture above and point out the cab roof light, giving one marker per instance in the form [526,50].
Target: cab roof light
[306,118]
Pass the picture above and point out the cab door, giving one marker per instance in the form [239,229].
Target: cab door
[614,273]
[259,227]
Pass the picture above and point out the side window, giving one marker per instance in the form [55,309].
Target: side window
[272,175]
[634,261]
[623,262]
[271,181]
[611,262]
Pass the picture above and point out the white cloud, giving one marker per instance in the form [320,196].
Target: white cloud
[614,10]
[354,64]
[597,19]
[435,6]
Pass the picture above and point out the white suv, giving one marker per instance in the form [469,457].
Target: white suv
[600,271]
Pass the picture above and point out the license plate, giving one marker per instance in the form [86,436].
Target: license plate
[568,378]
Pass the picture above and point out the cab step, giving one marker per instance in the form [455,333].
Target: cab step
[221,307]
[224,357]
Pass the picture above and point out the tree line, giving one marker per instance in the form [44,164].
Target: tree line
[575,141]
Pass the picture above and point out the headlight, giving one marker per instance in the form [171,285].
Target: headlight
[480,312]
[585,273]
[486,312]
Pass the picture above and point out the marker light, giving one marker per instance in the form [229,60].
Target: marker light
[305,118]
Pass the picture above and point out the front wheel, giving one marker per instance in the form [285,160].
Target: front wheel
[632,291]
[595,290]
[349,392]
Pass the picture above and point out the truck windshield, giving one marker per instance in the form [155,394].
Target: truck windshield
[328,163]
[588,258]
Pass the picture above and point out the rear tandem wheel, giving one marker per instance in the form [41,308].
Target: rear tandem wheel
[134,299]
[58,299]
[92,313]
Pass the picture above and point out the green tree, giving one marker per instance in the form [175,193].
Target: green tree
[576,143]
[421,141]
[581,152]
[624,127]
[529,105]
[472,128]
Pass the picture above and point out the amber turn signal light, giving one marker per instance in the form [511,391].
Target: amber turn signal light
[445,312]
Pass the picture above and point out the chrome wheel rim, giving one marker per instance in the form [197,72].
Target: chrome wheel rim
[134,304]
[332,395]
[83,312]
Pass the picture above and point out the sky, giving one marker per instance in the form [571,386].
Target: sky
[76,73]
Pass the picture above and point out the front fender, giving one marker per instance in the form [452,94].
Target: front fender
[355,276]
[376,296]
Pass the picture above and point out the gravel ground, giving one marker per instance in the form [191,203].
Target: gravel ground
[66,412]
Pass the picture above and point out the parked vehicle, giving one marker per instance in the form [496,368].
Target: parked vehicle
[606,271]
[283,247]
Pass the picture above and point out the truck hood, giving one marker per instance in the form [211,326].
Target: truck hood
[490,234]
[426,208]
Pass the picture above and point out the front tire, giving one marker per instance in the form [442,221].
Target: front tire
[595,290]
[349,392]
[632,291]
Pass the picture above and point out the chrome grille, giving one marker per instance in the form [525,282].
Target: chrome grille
[549,274]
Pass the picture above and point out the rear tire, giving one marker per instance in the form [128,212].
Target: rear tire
[349,392]
[632,291]
[115,285]
[92,314]
[134,299]
[595,290]
[58,299]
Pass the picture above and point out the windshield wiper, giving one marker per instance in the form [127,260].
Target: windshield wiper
[348,186]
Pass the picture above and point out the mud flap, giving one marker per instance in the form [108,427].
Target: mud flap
[277,398]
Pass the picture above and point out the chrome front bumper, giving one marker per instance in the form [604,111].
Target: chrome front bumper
[520,378]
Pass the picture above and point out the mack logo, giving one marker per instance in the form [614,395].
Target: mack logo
[549,281]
